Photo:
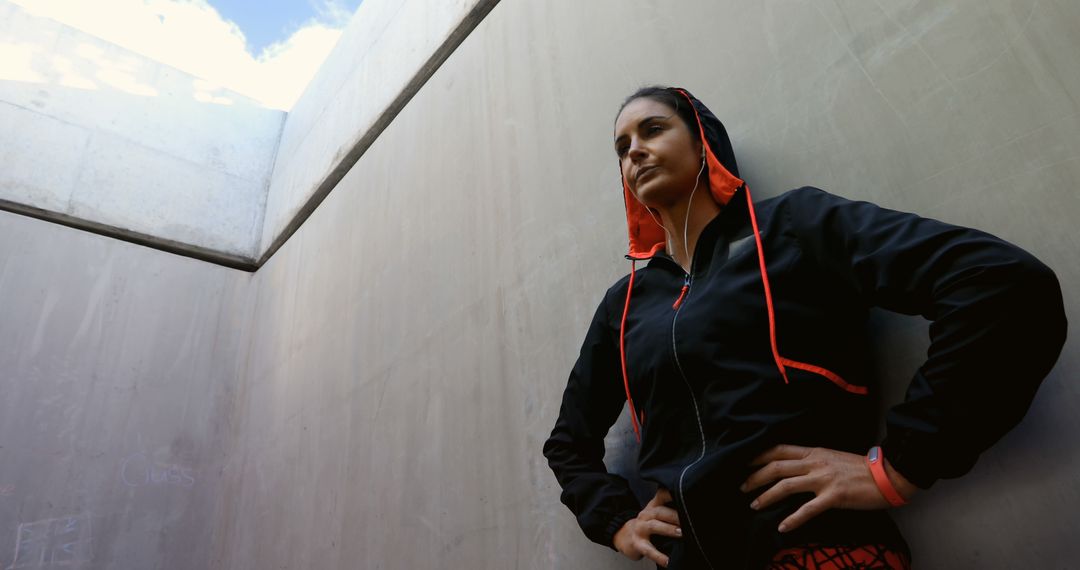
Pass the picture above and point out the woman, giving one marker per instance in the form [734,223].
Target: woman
[741,353]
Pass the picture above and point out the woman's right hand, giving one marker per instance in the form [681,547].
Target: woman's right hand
[633,539]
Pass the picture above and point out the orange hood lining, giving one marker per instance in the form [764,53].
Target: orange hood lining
[647,238]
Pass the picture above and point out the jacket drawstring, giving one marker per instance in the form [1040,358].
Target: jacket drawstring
[783,363]
[622,353]
[765,282]
[682,294]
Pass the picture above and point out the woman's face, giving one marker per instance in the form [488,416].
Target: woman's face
[659,158]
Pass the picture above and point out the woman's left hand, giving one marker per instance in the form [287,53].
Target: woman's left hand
[839,479]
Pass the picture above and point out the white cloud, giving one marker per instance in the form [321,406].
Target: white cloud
[287,67]
[191,36]
[333,12]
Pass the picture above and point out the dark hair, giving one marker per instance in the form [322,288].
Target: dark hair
[670,97]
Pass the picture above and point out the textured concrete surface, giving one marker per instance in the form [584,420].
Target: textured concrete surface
[376,396]
[132,145]
[388,51]
[412,340]
[118,368]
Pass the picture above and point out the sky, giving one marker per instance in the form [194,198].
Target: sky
[267,50]
[269,21]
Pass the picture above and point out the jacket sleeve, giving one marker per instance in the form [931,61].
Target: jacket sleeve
[592,401]
[997,323]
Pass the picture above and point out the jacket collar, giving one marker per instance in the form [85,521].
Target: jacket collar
[731,223]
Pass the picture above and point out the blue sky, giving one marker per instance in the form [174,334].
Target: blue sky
[265,22]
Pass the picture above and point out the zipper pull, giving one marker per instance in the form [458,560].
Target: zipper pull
[682,294]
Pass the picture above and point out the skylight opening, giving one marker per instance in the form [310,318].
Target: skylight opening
[266,51]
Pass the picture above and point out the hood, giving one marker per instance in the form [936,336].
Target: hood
[646,236]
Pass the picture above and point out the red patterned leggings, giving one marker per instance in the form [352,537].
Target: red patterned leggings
[818,557]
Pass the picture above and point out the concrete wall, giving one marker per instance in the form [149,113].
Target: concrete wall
[103,138]
[377,394]
[411,341]
[117,375]
[386,53]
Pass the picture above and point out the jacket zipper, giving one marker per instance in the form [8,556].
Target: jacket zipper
[693,399]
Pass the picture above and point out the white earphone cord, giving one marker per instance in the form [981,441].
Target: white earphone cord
[686,221]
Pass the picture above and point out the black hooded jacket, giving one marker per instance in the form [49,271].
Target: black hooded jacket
[764,343]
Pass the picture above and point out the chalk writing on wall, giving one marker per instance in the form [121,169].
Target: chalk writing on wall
[63,542]
[7,490]
[137,470]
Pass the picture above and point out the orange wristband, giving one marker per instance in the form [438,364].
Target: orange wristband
[875,460]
